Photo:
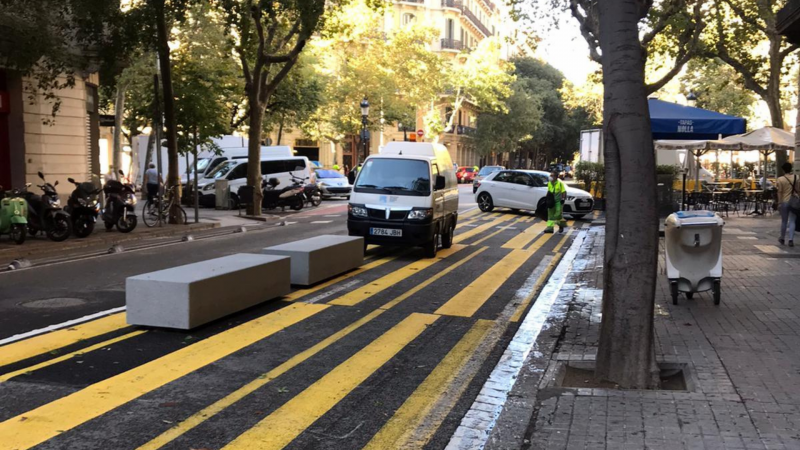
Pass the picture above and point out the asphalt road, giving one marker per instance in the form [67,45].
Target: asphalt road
[389,356]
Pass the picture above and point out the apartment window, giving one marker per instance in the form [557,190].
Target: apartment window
[450,29]
[408,19]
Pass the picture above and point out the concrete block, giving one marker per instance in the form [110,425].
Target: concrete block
[188,296]
[321,257]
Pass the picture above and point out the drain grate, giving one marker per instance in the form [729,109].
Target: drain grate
[50,303]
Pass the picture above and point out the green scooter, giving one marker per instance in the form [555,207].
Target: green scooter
[13,215]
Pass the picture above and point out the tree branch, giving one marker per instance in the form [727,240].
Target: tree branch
[722,53]
[286,67]
[787,51]
[670,10]
[286,39]
[688,43]
[588,28]
[745,18]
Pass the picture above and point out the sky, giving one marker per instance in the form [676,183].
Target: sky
[566,50]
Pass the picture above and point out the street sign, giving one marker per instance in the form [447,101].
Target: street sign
[420,133]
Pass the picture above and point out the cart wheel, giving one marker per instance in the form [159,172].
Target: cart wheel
[673,287]
[717,292]
[689,295]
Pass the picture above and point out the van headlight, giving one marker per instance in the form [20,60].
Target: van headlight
[357,211]
[208,187]
[420,214]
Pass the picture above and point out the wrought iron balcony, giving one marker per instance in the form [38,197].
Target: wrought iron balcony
[452,44]
[475,21]
[452,4]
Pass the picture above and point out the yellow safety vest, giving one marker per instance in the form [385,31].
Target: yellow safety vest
[557,189]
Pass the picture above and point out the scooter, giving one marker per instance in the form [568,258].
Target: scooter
[45,213]
[119,210]
[291,196]
[13,215]
[83,208]
[311,192]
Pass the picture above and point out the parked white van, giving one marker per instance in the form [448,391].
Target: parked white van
[406,195]
[235,171]
[208,161]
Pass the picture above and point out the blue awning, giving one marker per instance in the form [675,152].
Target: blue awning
[673,121]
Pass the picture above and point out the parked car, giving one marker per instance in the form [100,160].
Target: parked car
[483,173]
[526,190]
[333,184]
[465,174]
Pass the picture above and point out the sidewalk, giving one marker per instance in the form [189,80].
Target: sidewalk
[742,360]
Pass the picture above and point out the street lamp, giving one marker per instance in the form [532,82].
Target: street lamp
[682,160]
[692,99]
[364,114]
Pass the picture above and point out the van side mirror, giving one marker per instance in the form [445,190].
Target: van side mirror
[440,183]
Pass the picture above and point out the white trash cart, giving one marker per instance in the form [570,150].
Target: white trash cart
[694,253]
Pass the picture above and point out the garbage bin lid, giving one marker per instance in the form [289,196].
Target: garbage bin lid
[692,214]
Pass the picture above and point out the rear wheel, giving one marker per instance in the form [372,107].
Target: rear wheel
[60,229]
[18,233]
[297,205]
[316,198]
[83,227]
[433,246]
[485,202]
[126,224]
[447,235]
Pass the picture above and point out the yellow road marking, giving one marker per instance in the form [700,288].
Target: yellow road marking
[359,295]
[430,280]
[34,427]
[282,426]
[10,375]
[537,244]
[215,408]
[522,239]
[563,241]
[303,292]
[539,282]
[521,219]
[399,431]
[472,297]
[480,229]
[470,213]
[45,343]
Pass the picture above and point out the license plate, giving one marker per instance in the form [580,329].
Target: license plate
[386,232]
[582,203]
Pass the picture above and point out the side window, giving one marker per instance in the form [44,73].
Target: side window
[522,178]
[539,180]
[435,173]
[271,167]
[291,165]
[503,177]
[215,163]
[239,171]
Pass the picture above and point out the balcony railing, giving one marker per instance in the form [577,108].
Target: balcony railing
[452,4]
[472,17]
[411,1]
[452,44]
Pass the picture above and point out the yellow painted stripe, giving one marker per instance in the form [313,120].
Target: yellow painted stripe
[50,362]
[474,212]
[563,241]
[480,229]
[479,241]
[399,431]
[430,280]
[215,408]
[303,292]
[359,295]
[49,342]
[34,427]
[521,240]
[539,282]
[537,244]
[282,426]
[472,297]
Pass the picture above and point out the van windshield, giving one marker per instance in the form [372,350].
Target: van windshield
[221,170]
[395,176]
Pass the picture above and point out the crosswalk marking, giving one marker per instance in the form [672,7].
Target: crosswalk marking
[472,297]
[401,430]
[477,230]
[479,241]
[50,362]
[377,263]
[40,424]
[49,342]
[282,426]
[470,213]
[563,241]
[359,295]
[215,408]
[535,290]
[539,243]
[522,239]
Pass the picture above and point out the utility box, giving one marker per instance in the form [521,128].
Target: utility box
[222,194]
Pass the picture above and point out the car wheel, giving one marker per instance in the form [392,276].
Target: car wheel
[485,202]
[433,246]
[447,235]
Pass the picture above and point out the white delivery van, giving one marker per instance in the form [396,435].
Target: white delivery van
[406,195]
[235,171]
[208,161]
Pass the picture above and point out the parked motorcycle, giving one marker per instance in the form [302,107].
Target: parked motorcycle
[13,215]
[45,213]
[83,208]
[311,192]
[291,196]
[120,201]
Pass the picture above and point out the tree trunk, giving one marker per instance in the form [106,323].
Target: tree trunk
[173,177]
[119,108]
[626,354]
[280,132]
[776,117]
[254,154]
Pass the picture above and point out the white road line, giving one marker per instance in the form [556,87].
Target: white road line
[69,323]
[506,372]
[322,221]
[332,215]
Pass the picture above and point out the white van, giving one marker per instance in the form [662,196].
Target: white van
[235,171]
[406,195]
[208,161]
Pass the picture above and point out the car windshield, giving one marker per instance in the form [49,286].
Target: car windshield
[329,174]
[489,170]
[395,176]
[222,170]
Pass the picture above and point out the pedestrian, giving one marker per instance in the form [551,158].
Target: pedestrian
[556,194]
[788,189]
[152,181]
[351,175]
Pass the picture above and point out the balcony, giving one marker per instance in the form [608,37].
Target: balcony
[475,21]
[465,130]
[452,44]
[452,4]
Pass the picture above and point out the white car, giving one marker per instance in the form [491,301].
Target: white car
[526,190]
[333,184]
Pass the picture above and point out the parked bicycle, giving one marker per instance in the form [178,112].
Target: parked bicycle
[152,214]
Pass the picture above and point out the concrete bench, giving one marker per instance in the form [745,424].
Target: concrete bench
[187,296]
[321,257]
